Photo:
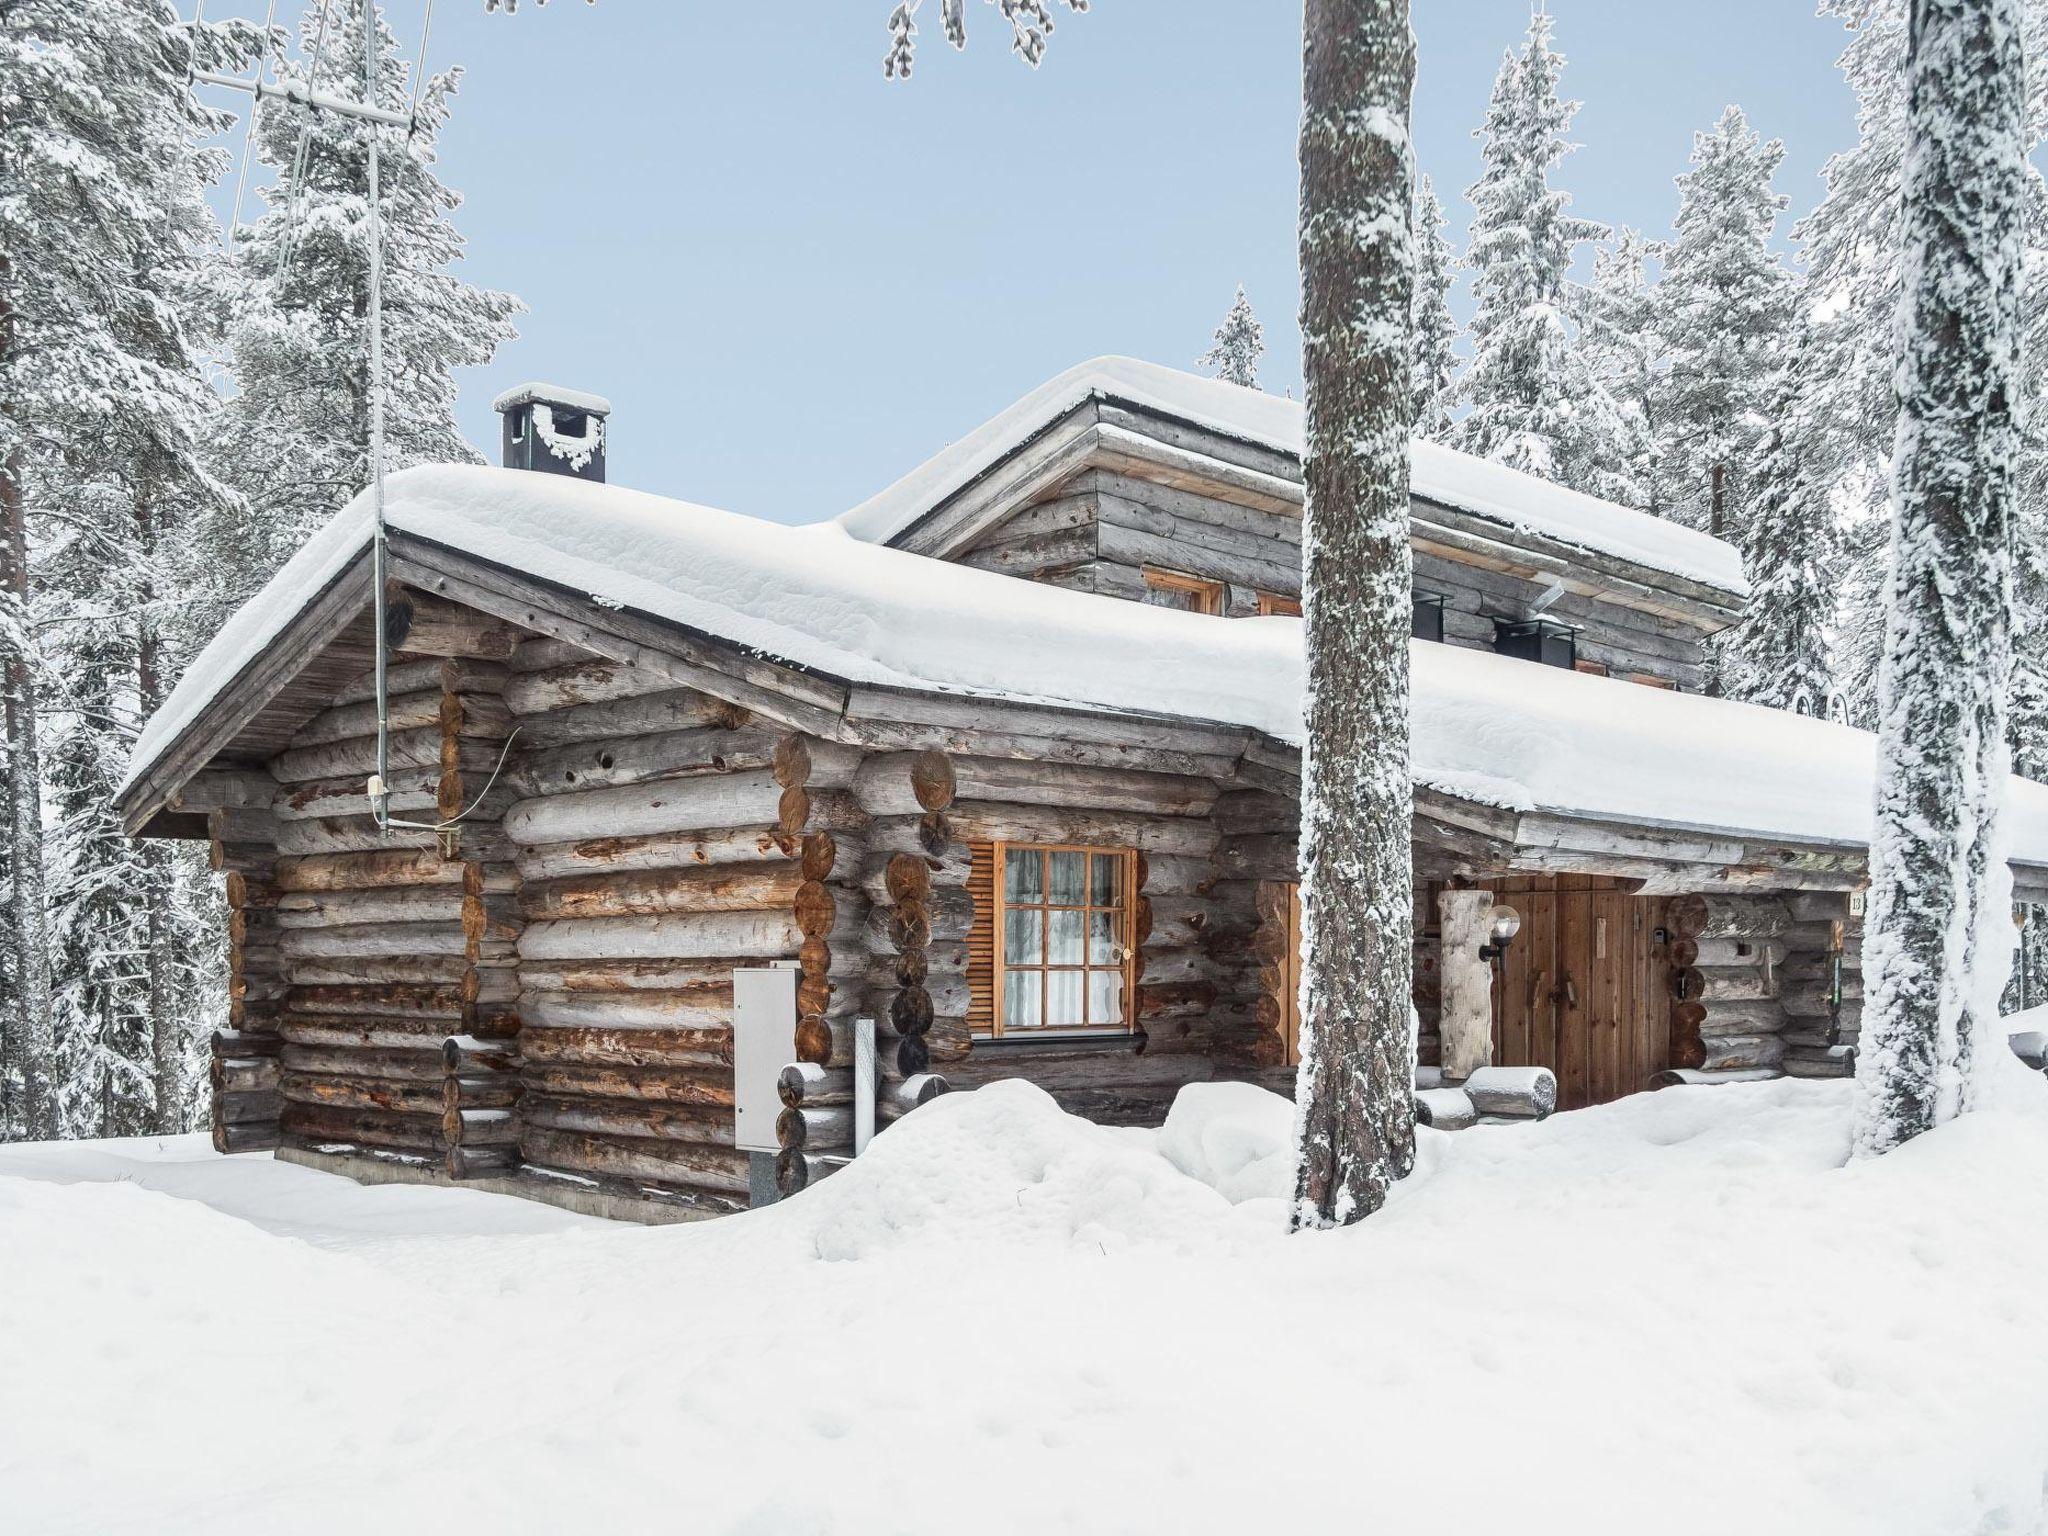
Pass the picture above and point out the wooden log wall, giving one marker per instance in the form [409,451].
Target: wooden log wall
[936,810]
[659,841]
[392,944]
[243,1070]
[1730,978]
[1822,994]
[1256,862]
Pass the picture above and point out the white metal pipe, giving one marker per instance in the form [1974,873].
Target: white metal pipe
[380,792]
[293,91]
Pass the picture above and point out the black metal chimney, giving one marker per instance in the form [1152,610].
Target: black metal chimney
[557,431]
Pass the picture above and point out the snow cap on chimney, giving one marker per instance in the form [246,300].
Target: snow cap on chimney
[555,430]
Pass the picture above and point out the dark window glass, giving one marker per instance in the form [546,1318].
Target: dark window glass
[1554,645]
[1429,616]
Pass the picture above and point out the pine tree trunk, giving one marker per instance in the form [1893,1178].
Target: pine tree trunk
[1938,945]
[162,1021]
[1355,1094]
[27,915]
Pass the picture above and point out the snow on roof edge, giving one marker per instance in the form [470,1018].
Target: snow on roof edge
[1488,729]
[1439,474]
[554,394]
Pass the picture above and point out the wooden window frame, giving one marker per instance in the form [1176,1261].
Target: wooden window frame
[1275,605]
[1208,594]
[1590,668]
[1290,980]
[1127,913]
[1651,680]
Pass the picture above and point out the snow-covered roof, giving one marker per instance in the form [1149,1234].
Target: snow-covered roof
[1437,474]
[1486,728]
[553,394]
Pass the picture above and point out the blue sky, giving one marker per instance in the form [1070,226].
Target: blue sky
[795,280]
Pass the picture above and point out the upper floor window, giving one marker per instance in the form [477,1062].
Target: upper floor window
[1272,603]
[1429,616]
[1177,589]
[1553,644]
[1060,939]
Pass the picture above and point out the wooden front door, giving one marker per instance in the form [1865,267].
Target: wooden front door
[1582,989]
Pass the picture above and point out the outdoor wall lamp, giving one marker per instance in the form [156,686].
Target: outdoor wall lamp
[1507,922]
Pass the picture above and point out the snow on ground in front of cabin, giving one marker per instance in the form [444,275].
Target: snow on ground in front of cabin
[1680,1313]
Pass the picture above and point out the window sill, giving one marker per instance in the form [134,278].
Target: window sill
[1094,1041]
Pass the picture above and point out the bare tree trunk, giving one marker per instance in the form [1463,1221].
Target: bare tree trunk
[1355,1094]
[1937,948]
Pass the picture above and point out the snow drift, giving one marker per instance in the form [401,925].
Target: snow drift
[1679,1313]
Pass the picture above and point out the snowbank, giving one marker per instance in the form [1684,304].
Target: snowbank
[1442,475]
[1004,1320]
[1487,727]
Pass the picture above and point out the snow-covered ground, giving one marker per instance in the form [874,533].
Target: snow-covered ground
[1680,1313]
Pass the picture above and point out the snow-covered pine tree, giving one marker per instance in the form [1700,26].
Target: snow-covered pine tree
[1534,404]
[1850,247]
[1354,1089]
[1724,300]
[1780,654]
[103,403]
[1619,341]
[295,433]
[1433,365]
[1240,343]
[1938,945]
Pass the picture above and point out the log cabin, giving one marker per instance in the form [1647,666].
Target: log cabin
[995,775]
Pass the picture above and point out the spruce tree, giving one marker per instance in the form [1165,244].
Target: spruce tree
[1723,303]
[1433,366]
[1623,349]
[1780,654]
[1534,404]
[295,434]
[1938,944]
[1240,343]
[104,407]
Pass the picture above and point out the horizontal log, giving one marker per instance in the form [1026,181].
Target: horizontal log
[624,760]
[417,709]
[1696,916]
[1448,1109]
[885,786]
[989,821]
[253,1136]
[705,1007]
[712,888]
[747,845]
[630,975]
[245,1074]
[897,1099]
[357,757]
[364,871]
[332,1124]
[1522,1092]
[1817,1001]
[420,1063]
[585,679]
[440,674]
[478,1128]
[816,1128]
[677,936]
[703,1124]
[805,1084]
[366,1034]
[1681,1077]
[1728,952]
[1736,1018]
[402,904]
[1725,1051]
[1723,984]
[255,1106]
[413,791]
[647,714]
[710,1087]
[713,1171]
[236,1042]
[424,625]
[424,1001]
[396,1095]
[796,1171]
[374,940]
[220,788]
[668,1048]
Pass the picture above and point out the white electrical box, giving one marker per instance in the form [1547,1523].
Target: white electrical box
[763,1043]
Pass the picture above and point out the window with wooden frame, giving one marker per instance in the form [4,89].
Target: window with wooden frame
[1649,680]
[1271,603]
[1177,589]
[1280,921]
[1590,668]
[1052,946]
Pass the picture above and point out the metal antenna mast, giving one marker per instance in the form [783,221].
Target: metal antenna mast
[367,110]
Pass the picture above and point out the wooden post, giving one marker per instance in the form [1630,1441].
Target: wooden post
[1465,921]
